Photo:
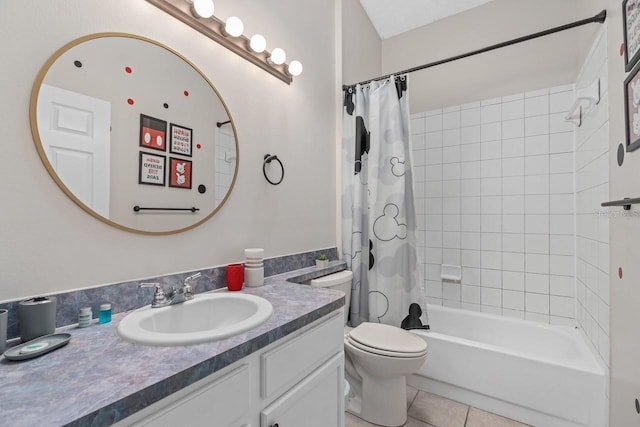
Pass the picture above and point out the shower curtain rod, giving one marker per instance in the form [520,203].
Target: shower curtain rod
[599,18]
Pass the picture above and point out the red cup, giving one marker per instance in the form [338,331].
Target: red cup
[235,277]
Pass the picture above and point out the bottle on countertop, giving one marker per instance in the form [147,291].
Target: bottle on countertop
[104,315]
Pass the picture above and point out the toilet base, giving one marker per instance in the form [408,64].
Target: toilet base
[383,403]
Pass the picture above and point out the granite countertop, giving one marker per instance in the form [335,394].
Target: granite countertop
[99,379]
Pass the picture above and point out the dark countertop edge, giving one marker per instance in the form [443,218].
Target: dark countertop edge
[123,408]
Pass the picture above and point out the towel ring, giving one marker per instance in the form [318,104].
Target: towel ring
[267,159]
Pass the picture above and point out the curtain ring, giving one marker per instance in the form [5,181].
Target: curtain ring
[267,159]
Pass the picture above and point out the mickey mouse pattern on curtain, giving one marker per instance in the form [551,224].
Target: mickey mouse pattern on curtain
[378,210]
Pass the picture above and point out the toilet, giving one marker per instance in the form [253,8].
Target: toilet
[378,358]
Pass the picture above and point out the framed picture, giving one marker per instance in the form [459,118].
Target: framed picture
[179,173]
[631,18]
[181,140]
[153,133]
[152,169]
[632,108]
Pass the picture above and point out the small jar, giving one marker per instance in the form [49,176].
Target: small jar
[104,315]
[84,317]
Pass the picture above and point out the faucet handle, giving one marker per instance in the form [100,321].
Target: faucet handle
[186,288]
[159,297]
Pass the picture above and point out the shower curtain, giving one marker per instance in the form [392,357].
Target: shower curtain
[378,210]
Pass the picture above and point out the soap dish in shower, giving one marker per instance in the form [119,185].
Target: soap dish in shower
[37,347]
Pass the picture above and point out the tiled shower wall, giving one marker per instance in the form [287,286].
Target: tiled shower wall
[495,195]
[592,222]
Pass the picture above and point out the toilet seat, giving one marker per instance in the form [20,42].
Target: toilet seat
[386,340]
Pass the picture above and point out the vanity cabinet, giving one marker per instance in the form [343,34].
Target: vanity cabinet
[295,381]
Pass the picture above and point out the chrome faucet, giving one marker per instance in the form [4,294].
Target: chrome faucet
[174,296]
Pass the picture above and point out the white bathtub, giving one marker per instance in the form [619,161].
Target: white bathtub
[542,375]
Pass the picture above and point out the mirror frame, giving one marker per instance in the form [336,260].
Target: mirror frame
[47,164]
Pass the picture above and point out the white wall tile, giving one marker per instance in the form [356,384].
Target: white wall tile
[451,137]
[538,125]
[560,102]
[537,243]
[470,258]
[513,185]
[537,303]
[536,165]
[537,204]
[536,106]
[513,280]
[512,97]
[513,223]
[561,142]
[537,283]
[537,224]
[451,256]
[513,110]
[471,276]
[513,147]
[491,297]
[470,240]
[537,263]
[561,203]
[433,123]
[490,168]
[513,300]
[513,261]
[451,120]
[491,187]
[561,183]
[537,184]
[561,163]
[451,171]
[491,223]
[535,145]
[491,260]
[562,306]
[491,113]
[491,150]
[562,265]
[513,128]
[470,117]
[562,286]
[513,166]
[433,139]
[491,278]
[451,291]
[471,294]
[512,204]
[417,125]
[470,134]
[491,241]
[513,242]
[491,131]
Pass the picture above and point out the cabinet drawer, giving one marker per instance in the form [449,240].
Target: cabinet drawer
[285,365]
[218,403]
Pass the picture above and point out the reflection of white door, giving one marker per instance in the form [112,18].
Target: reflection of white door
[75,134]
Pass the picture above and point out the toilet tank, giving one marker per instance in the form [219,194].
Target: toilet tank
[340,281]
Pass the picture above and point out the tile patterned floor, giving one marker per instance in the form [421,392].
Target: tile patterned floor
[430,410]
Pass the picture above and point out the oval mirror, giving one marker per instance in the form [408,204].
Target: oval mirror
[134,133]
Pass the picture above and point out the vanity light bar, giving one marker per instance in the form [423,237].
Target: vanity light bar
[214,28]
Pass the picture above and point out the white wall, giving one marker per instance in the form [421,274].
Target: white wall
[495,188]
[49,244]
[361,45]
[537,64]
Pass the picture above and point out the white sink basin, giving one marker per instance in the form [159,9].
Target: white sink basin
[207,317]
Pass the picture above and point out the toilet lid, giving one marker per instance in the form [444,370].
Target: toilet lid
[387,340]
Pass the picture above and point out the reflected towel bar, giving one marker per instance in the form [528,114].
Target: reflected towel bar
[138,209]
[625,203]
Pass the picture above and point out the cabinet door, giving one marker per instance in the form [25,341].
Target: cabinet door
[316,401]
[219,403]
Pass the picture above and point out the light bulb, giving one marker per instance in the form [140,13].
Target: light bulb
[278,56]
[234,26]
[258,43]
[203,8]
[295,68]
